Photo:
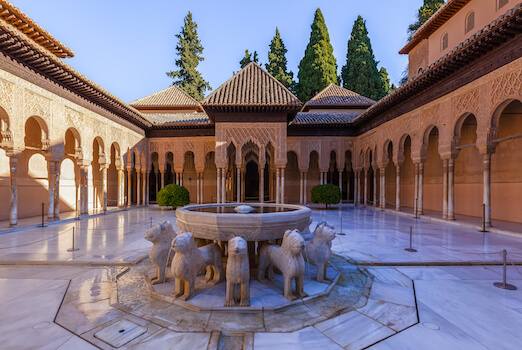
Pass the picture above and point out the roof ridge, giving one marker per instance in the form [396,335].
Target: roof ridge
[163,93]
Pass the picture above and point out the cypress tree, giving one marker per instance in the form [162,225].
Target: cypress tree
[318,67]
[277,61]
[189,50]
[386,81]
[248,58]
[360,73]
[425,12]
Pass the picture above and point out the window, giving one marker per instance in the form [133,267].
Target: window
[470,22]
[444,42]
[419,71]
[501,3]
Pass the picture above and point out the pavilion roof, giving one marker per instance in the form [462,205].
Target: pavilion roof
[252,87]
[336,96]
[443,14]
[172,97]
[38,35]
[178,120]
[312,119]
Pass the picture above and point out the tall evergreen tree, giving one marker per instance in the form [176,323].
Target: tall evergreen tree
[318,67]
[386,81]
[190,51]
[277,61]
[248,58]
[425,12]
[360,73]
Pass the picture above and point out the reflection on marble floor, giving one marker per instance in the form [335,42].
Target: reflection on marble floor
[62,306]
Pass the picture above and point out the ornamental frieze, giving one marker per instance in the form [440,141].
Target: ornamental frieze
[505,86]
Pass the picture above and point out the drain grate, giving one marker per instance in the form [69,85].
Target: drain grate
[120,333]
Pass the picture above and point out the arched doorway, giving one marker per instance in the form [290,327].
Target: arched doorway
[252,181]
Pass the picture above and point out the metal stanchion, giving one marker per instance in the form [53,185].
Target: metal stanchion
[410,249]
[503,284]
[43,210]
[73,249]
[341,231]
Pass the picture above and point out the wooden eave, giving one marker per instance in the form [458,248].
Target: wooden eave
[492,36]
[32,30]
[440,17]
[38,59]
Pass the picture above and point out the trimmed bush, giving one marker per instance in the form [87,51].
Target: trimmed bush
[326,194]
[173,196]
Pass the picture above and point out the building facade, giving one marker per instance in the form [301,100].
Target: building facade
[448,141]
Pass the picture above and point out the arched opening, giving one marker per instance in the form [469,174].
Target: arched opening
[112,176]
[33,184]
[468,169]
[333,173]
[135,159]
[154,183]
[209,178]
[97,174]
[314,174]
[348,177]
[169,168]
[433,172]
[444,42]
[407,192]
[5,134]
[35,133]
[189,174]
[292,178]
[67,190]
[390,186]
[269,177]
[5,189]
[470,22]
[506,165]
[252,181]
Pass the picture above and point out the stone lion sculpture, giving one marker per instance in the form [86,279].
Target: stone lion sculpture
[160,254]
[288,258]
[238,272]
[190,261]
[318,251]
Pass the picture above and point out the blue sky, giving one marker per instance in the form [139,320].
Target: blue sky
[127,46]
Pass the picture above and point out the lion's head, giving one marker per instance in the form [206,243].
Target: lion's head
[163,229]
[293,242]
[237,246]
[183,242]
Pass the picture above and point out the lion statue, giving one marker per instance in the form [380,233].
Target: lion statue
[318,251]
[160,254]
[238,272]
[190,261]
[288,258]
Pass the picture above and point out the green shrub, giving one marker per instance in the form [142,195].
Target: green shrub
[173,196]
[326,194]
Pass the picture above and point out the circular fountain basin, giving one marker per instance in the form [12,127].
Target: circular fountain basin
[221,222]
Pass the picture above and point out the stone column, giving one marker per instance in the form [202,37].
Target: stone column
[451,189]
[305,194]
[13,166]
[223,186]
[104,179]
[56,191]
[278,186]
[374,188]
[121,190]
[355,187]
[261,184]
[243,174]
[129,187]
[444,188]
[50,202]
[487,188]
[382,202]
[416,188]
[138,187]
[398,187]
[238,183]
[282,185]
[85,196]
[198,191]
[341,184]
[145,185]
[365,186]
[157,174]
[420,202]
[162,179]
[202,191]
[301,187]
[218,183]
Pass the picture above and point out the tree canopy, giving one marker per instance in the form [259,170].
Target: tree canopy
[277,61]
[360,73]
[189,51]
[248,58]
[318,68]
[425,12]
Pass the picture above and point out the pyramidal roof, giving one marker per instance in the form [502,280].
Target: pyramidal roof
[171,96]
[336,96]
[252,86]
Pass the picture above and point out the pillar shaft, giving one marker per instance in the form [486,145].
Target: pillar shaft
[444,188]
[451,188]
[129,187]
[282,185]
[261,184]
[104,177]
[56,201]
[278,187]
[416,188]
[218,182]
[301,187]
[13,215]
[420,202]
[382,201]
[341,184]
[365,186]
[305,194]
[138,187]
[398,187]
[487,188]
[374,188]
[50,202]
[238,183]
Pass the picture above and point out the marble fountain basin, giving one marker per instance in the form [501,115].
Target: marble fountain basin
[221,222]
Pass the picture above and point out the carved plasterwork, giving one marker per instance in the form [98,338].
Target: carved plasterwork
[210,146]
[466,102]
[6,96]
[36,105]
[73,118]
[506,85]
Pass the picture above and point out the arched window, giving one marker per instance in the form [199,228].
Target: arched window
[444,42]
[470,22]
[419,71]
[501,3]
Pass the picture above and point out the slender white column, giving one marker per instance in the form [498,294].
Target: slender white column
[305,195]
[85,196]
[487,188]
[218,182]
[301,187]
[50,202]
[138,187]
[238,183]
[261,185]
[278,188]
[374,188]
[341,184]
[13,215]
[104,179]
[157,174]
[420,202]
[243,174]
[451,188]
[355,187]
[444,188]
[162,179]
[397,187]
[198,189]
[416,188]
[201,191]
[120,188]
[223,186]
[146,187]
[283,185]
[365,186]
[181,177]
[129,187]
[56,191]
[382,172]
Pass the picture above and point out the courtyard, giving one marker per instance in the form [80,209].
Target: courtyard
[441,296]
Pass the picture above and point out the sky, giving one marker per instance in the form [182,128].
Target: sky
[127,46]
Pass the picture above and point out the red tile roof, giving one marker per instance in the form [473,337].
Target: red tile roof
[172,96]
[336,96]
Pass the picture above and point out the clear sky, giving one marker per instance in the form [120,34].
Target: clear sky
[126,46]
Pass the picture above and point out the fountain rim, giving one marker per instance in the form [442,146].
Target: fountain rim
[187,208]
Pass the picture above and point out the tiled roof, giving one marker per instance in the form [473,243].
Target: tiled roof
[479,44]
[171,96]
[323,118]
[178,120]
[334,95]
[31,29]
[443,14]
[252,86]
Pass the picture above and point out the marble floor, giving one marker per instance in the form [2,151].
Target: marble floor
[440,297]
